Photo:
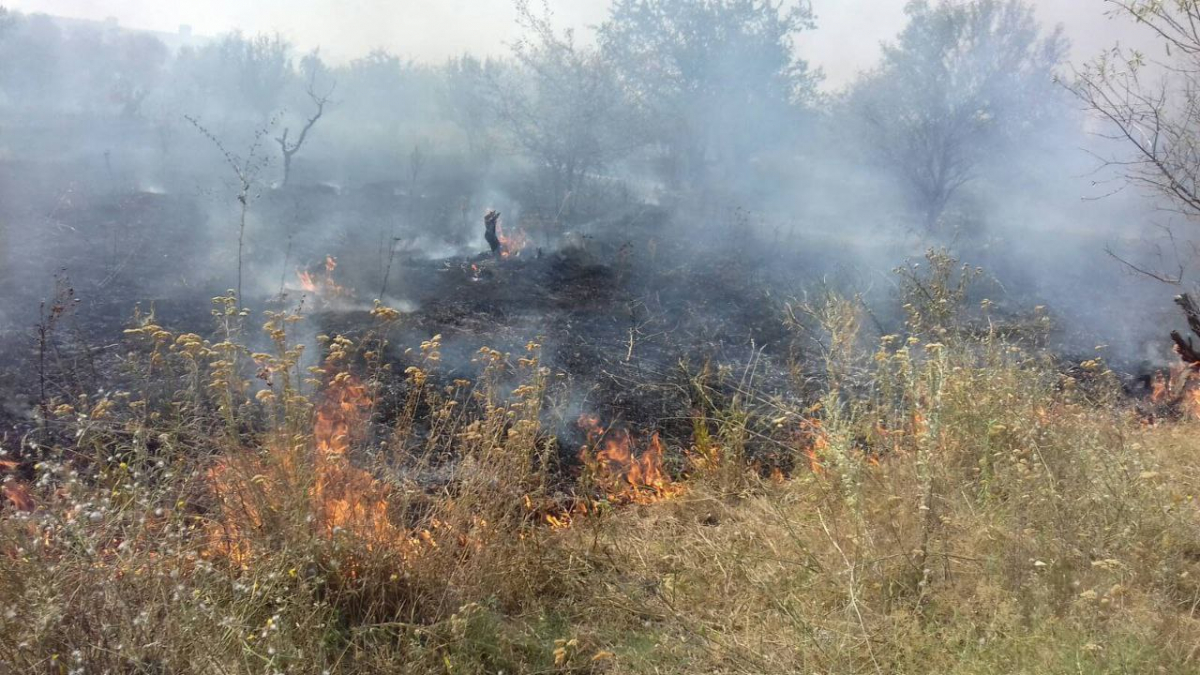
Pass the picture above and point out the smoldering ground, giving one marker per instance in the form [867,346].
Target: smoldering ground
[694,197]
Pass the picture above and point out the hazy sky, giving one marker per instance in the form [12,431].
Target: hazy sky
[845,42]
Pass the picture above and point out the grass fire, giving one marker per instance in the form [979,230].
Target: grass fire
[633,336]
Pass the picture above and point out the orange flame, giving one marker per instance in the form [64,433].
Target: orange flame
[14,491]
[346,497]
[624,476]
[814,442]
[307,281]
[511,245]
[341,498]
[1158,388]
[556,515]
[324,287]
[1191,403]
[1178,387]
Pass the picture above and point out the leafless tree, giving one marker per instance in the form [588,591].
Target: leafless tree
[247,169]
[290,148]
[1153,106]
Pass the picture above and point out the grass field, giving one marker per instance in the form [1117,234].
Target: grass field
[953,500]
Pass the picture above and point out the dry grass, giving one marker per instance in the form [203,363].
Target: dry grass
[1021,532]
[959,505]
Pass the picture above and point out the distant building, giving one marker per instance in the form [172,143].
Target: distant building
[184,37]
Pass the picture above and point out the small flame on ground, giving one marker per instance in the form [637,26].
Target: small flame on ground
[557,516]
[815,443]
[323,286]
[1178,387]
[511,245]
[623,475]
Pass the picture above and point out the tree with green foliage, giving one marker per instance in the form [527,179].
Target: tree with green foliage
[250,74]
[562,105]
[464,79]
[710,77]
[962,83]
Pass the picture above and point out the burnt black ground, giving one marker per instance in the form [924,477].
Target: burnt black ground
[632,308]
[629,311]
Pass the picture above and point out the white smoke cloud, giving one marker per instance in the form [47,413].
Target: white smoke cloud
[846,40]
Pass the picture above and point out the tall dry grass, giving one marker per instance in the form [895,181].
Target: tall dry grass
[953,501]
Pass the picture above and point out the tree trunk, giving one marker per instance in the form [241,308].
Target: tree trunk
[287,167]
[1183,346]
[490,220]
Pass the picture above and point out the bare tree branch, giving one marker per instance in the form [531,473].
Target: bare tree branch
[290,148]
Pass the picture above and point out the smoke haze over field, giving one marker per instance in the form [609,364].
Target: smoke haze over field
[173,164]
[371,336]
[433,30]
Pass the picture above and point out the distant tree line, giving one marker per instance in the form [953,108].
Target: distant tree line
[695,94]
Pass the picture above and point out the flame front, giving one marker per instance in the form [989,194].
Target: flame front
[346,497]
[340,498]
[624,476]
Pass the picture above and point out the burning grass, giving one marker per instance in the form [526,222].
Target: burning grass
[623,474]
[512,244]
[1175,390]
[322,286]
[951,501]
